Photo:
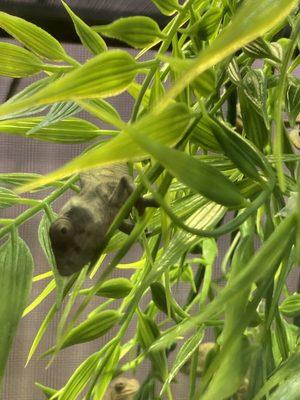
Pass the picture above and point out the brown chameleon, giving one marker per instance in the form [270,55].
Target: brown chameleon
[122,389]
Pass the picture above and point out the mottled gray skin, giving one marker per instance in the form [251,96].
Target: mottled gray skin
[122,389]
[78,232]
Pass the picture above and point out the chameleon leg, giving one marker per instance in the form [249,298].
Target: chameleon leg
[141,204]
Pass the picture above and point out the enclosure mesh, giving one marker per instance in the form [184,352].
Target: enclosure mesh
[23,155]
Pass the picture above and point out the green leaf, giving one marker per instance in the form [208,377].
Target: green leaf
[251,21]
[137,31]
[272,250]
[92,328]
[41,297]
[40,333]
[16,266]
[8,198]
[48,392]
[184,354]
[107,74]
[288,390]
[204,84]
[231,372]
[259,48]
[207,25]
[290,307]
[168,128]
[89,38]
[109,363]
[58,112]
[17,62]
[148,332]
[194,173]
[167,7]
[70,130]
[293,99]
[117,288]
[33,37]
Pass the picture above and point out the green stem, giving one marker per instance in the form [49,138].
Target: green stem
[38,207]
[280,93]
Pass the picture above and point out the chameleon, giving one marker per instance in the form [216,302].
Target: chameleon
[122,389]
[80,228]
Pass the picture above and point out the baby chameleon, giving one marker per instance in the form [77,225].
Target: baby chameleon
[122,389]
[78,232]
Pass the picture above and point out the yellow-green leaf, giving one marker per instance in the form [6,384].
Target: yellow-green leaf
[70,130]
[17,62]
[167,128]
[89,38]
[33,37]
[167,7]
[137,31]
[251,21]
[107,74]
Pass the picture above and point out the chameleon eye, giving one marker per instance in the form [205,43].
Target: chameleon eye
[61,231]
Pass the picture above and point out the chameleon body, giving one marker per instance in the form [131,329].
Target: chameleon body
[122,389]
[78,232]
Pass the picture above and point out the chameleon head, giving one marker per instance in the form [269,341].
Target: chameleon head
[122,389]
[73,237]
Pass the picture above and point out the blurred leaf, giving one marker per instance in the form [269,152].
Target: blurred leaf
[48,392]
[160,299]
[116,288]
[70,130]
[137,31]
[147,333]
[207,25]
[167,128]
[107,74]
[8,198]
[251,21]
[288,390]
[40,333]
[16,266]
[231,372]
[109,363]
[17,62]
[194,173]
[167,7]
[33,37]
[293,99]
[290,307]
[89,38]
[184,354]
[42,296]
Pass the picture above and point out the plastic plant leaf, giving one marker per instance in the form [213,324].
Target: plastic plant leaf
[89,38]
[17,62]
[34,38]
[251,21]
[166,7]
[107,74]
[70,130]
[137,31]
[16,267]
[168,128]
[194,173]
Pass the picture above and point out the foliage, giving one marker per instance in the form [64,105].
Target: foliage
[208,137]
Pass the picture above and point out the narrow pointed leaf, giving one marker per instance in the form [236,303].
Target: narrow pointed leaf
[16,266]
[197,175]
[33,37]
[167,128]
[70,130]
[17,62]
[89,38]
[107,74]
